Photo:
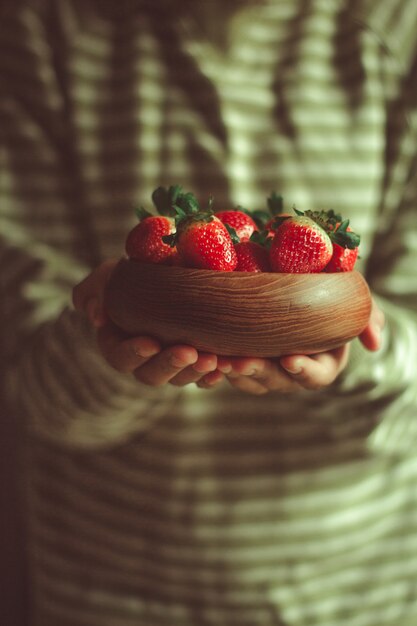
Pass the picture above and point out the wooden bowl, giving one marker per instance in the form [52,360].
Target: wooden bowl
[238,313]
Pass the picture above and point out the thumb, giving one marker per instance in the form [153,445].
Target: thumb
[87,296]
[370,337]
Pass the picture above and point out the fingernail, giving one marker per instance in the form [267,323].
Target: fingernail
[145,351]
[295,368]
[175,361]
[212,378]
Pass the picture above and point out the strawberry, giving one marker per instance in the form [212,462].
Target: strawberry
[300,245]
[345,241]
[343,259]
[270,218]
[252,257]
[275,222]
[275,205]
[204,242]
[144,242]
[345,248]
[240,221]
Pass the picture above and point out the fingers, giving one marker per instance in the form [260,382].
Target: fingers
[288,375]
[167,364]
[319,370]
[182,365]
[125,354]
[210,380]
[205,364]
[372,335]
[257,376]
[144,358]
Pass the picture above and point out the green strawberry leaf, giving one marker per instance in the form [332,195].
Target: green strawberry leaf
[188,203]
[333,217]
[162,199]
[345,238]
[259,216]
[275,203]
[328,220]
[262,237]
[141,213]
[180,215]
[280,219]
[174,191]
[233,234]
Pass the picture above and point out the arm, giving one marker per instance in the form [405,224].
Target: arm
[373,382]
[388,379]
[56,380]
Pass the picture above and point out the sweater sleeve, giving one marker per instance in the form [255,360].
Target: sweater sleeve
[56,381]
[383,384]
[380,388]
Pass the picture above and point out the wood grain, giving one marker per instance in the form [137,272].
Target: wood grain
[238,313]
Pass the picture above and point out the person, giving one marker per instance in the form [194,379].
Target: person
[164,486]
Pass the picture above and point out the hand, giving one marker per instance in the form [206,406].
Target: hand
[88,295]
[143,356]
[149,363]
[371,336]
[297,372]
[180,365]
[287,374]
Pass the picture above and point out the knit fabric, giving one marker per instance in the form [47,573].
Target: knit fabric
[166,507]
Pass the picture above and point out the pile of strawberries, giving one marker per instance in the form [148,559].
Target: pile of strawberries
[185,234]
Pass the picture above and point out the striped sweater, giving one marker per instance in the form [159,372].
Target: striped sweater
[167,507]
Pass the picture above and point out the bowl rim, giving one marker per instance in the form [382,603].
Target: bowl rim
[234,273]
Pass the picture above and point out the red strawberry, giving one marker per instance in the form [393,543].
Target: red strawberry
[204,242]
[345,248]
[240,221]
[252,257]
[343,259]
[270,218]
[275,222]
[144,242]
[300,246]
